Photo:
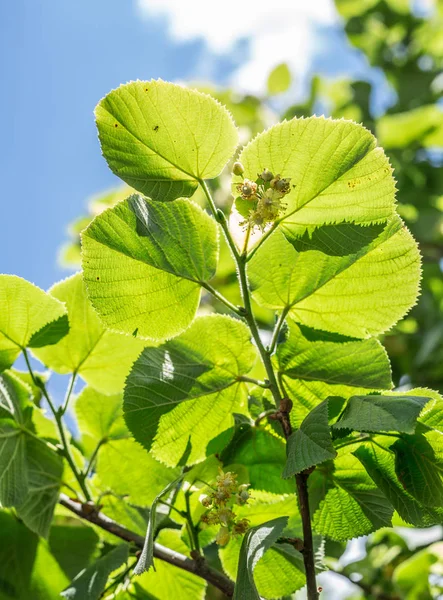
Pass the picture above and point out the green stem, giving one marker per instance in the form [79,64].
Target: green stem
[179,512]
[222,299]
[59,422]
[69,393]
[193,530]
[283,404]
[263,384]
[263,238]
[277,329]
[93,458]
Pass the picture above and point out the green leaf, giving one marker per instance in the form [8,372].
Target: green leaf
[147,556]
[28,571]
[315,365]
[382,413]
[160,137]
[345,502]
[423,125]
[99,418]
[13,472]
[354,8]
[411,577]
[255,543]
[125,468]
[311,444]
[279,573]
[181,395]
[147,276]
[380,465]
[338,174]
[14,397]
[279,79]
[102,358]
[168,582]
[263,454]
[419,468]
[28,314]
[73,546]
[358,292]
[44,472]
[89,584]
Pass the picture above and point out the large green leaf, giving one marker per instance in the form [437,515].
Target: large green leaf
[14,398]
[380,464]
[311,444]
[143,263]
[74,545]
[255,543]
[382,413]
[147,556]
[126,469]
[338,174]
[99,418]
[263,454]
[181,395]
[102,358]
[279,573]
[13,472]
[29,317]
[345,501]
[28,570]
[361,286]
[44,472]
[14,402]
[90,583]
[423,125]
[30,472]
[160,137]
[314,365]
[419,467]
[412,576]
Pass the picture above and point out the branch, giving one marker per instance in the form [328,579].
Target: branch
[197,567]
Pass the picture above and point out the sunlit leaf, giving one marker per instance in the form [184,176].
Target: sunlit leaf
[102,358]
[28,317]
[160,137]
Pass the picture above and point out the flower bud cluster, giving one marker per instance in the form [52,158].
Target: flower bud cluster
[266,195]
[221,502]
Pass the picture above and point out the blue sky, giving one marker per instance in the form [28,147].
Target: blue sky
[58,59]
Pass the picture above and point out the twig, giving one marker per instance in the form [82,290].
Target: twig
[199,568]
[58,416]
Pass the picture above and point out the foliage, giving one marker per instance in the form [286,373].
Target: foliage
[238,424]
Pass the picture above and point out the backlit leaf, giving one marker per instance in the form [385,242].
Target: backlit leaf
[102,358]
[27,315]
[144,261]
[181,395]
[160,137]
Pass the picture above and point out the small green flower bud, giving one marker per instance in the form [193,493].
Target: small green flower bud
[223,536]
[226,516]
[266,175]
[243,495]
[283,185]
[240,527]
[206,501]
[225,481]
[238,168]
[247,189]
[220,496]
